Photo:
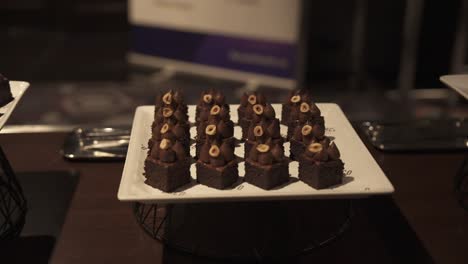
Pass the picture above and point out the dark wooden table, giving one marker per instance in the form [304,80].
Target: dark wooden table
[420,223]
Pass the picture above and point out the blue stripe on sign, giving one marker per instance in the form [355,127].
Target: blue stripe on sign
[248,55]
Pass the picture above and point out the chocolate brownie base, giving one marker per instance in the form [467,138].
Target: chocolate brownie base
[167,176]
[321,175]
[219,178]
[266,177]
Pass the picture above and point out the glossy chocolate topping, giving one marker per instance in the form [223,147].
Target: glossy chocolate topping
[225,128]
[321,156]
[274,128]
[256,132]
[318,130]
[243,100]
[216,155]
[155,151]
[297,97]
[224,113]
[204,153]
[163,130]
[248,102]
[207,99]
[167,114]
[227,151]
[172,99]
[333,152]
[315,110]
[266,154]
[168,151]
[322,151]
[277,152]
[304,133]
[178,97]
[265,158]
[219,98]
[181,131]
[261,99]
[269,112]
[180,115]
[179,150]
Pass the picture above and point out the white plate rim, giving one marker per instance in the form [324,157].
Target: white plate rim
[18,88]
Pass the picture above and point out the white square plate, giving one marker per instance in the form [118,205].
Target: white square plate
[458,82]
[17,89]
[363,177]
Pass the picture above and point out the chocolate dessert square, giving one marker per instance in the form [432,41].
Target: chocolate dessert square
[167,176]
[219,178]
[321,175]
[296,149]
[266,177]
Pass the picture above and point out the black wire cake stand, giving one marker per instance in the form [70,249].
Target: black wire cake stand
[12,202]
[461,184]
[240,231]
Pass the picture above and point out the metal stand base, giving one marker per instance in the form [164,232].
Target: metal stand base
[461,185]
[12,202]
[246,230]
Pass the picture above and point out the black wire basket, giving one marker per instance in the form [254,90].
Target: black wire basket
[246,231]
[12,202]
[461,184]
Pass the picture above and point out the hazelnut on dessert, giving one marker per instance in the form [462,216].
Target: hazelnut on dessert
[261,132]
[293,101]
[251,104]
[207,100]
[173,99]
[304,135]
[217,127]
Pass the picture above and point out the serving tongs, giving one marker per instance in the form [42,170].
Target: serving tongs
[97,143]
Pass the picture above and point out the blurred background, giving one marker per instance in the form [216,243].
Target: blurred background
[379,60]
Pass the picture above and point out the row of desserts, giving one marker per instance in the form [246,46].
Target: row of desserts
[167,165]
[320,165]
